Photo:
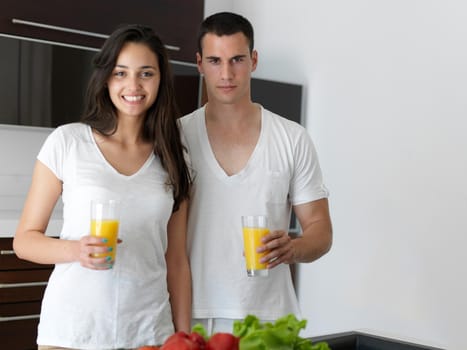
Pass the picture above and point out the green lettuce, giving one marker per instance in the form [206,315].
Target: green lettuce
[283,334]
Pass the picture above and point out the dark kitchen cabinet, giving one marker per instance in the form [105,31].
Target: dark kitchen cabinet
[86,22]
[45,91]
[187,81]
[22,286]
[40,89]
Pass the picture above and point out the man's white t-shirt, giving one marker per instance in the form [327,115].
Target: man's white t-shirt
[128,305]
[282,171]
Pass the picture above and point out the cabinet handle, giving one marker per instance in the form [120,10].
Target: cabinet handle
[7,252]
[74,31]
[21,285]
[17,318]
[61,29]
[172,47]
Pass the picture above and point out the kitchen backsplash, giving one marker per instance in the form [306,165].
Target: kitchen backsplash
[19,146]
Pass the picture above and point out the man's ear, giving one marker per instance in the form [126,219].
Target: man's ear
[199,60]
[254,60]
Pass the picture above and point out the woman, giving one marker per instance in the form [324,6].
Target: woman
[128,148]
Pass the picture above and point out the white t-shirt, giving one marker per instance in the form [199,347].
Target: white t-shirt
[128,305]
[282,171]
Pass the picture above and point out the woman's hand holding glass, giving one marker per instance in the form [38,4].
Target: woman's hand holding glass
[93,253]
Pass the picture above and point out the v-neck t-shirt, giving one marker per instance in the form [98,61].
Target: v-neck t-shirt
[282,171]
[128,305]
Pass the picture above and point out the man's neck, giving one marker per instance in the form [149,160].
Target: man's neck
[232,114]
[233,133]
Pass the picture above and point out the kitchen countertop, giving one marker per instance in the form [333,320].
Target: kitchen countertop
[356,340]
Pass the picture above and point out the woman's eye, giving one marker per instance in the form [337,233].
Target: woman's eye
[147,74]
[119,74]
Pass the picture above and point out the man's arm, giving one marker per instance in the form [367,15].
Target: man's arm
[315,241]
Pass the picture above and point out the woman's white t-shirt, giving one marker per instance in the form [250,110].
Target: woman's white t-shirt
[128,305]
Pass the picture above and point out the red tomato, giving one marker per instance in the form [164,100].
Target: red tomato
[180,341]
[222,341]
[198,339]
[176,335]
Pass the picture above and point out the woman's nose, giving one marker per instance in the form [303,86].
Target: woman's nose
[134,81]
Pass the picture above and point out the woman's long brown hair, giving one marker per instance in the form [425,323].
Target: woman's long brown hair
[160,123]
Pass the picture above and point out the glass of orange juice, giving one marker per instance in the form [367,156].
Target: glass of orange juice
[105,219]
[254,228]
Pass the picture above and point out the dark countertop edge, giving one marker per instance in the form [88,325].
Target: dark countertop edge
[351,338]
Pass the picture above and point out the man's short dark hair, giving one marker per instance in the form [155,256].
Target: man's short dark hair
[226,23]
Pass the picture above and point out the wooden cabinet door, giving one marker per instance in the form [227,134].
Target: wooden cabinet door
[88,22]
[22,286]
[186,83]
[19,335]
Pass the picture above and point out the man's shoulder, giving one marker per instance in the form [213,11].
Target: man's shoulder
[277,120]
[190,117]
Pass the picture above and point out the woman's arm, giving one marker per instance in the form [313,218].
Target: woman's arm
[178,269]
[31,243]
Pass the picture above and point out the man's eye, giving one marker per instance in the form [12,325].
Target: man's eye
[214,61]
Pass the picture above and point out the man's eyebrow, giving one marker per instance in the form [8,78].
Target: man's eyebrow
[231,58]
[238,56]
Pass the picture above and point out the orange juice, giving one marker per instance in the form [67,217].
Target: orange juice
[252,240]
[106,229]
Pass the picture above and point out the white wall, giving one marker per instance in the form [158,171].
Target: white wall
[385,104]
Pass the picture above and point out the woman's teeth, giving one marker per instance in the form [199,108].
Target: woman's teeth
[133,98]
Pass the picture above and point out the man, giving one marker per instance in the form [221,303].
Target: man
[246,161]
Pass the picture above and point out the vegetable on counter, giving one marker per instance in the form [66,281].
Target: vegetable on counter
[180,341]
[222,341]
[248,334]
[282,334]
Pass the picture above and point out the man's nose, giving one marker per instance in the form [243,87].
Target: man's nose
[226,71]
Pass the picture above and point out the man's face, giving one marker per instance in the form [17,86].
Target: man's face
[227,66]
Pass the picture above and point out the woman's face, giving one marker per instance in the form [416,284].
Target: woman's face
[134,82]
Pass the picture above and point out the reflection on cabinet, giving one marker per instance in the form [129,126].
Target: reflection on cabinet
[281,98]
[187,81]
[22,286]
[86,22]
[44,84]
